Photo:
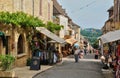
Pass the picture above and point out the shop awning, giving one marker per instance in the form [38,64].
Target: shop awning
[1,33]
[50,34]
[110,36]
[71,41]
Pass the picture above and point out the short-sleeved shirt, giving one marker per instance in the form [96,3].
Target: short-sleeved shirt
[77,51]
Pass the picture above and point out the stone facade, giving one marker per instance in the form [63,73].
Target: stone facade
[114,18]
[117,14]
[76,34]
[17,44]
[38,8]
[6,5]
[64,22]
[109,24]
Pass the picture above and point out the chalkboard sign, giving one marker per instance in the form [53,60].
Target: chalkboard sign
[35,63]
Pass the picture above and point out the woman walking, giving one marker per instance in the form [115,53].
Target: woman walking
[76,54]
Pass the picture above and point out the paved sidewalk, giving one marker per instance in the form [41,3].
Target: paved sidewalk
[107,73]
[25,72]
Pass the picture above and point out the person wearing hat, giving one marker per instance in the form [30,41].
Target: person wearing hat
[76,54]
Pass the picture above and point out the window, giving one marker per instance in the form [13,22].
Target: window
[20,45]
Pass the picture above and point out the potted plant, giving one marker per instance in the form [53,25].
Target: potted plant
[6,62]
[28,61]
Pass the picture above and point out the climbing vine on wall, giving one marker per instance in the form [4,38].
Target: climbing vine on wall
[20,19]
[53,27]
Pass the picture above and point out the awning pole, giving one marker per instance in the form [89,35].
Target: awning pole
[101,48]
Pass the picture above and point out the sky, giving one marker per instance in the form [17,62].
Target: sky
[87,13]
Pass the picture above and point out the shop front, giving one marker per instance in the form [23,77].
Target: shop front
[68,49]
[51,52]
[110,49]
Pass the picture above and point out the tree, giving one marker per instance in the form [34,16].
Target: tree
[96,44]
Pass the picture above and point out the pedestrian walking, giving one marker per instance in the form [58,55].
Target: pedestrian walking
[85,51]
[96,54]
[81,53]
[76,54]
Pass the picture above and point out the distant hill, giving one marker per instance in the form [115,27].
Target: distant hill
[91,34]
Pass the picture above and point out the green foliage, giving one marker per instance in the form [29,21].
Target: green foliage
[90,32]
[20,19]
[6,61]
[28,61]
[92,35]
[53,27]
[96,44]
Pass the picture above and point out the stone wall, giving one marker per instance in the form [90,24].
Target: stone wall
[31,7]
[12,39]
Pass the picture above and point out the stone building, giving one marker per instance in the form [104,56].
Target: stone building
[114,18]
[109,24]
[16,38]
[38,8]
[16,43]
[76,34]
[116,12]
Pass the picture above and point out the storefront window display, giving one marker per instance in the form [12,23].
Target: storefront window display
[35,47]
[112,57]
[118,60]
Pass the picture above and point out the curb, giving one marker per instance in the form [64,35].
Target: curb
[57,64]
[107,73]
[42,72]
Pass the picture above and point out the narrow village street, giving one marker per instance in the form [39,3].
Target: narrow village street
[44,38]
[85,68]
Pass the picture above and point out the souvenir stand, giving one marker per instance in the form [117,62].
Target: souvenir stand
[110,48]
[49,54]
[52,52]
[117,65]
[44,54]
